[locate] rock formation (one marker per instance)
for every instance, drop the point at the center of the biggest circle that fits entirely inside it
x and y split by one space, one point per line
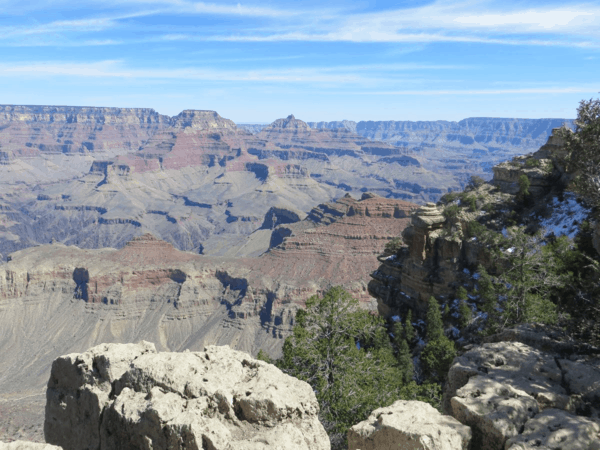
128 396
409 425
511 394
179 300
27 445
194 180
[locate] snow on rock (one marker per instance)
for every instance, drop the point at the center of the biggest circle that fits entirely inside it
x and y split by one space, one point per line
566 216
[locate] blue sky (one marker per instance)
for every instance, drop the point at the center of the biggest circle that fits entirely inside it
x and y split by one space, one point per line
258 61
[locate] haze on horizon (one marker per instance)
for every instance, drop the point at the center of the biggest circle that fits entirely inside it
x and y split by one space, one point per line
257 61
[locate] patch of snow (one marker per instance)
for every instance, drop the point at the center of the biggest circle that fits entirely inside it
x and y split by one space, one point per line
476 276
466 271
473 239
510 250
358 345
391 258
455 332
396 318
472 297
566 216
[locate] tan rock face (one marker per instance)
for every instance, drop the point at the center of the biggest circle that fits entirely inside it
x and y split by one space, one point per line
554 429
513 395
410 425
130 397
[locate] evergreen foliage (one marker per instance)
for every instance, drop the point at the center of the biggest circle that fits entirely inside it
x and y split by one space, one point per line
466 315
439 352
345 354
392 246
409 329
583 150
530 273
524 185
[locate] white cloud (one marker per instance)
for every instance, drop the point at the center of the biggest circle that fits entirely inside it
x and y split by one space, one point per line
542 90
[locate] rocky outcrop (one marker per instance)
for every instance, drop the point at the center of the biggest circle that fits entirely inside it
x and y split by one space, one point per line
128 396
510 393
424 268
409 425
27 445
554 429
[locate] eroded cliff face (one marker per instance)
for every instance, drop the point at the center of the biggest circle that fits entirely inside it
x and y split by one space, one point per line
57 299
28 130
194 180
438 250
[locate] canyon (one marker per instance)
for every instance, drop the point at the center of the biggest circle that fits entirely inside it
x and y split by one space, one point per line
118 225
57 299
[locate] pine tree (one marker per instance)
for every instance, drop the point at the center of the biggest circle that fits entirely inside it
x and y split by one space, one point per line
349 382
439 352
435 327
465 314
409 329
405 363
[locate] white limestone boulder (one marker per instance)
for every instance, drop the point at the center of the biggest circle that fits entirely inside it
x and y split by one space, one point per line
409 425
27 445
554 429
494 411
217 399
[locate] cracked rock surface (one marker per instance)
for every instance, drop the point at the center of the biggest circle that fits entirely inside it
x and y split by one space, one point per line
128 396
513 395
409 425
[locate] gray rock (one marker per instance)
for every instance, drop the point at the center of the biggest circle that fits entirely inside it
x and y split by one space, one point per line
554 429
27 445
130 397
494 411
521 366
409 425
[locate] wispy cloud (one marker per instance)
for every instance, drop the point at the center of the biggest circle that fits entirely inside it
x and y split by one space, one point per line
541 90
114 69
467 22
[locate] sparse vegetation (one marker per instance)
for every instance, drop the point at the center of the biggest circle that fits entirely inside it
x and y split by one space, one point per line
392 246
474 183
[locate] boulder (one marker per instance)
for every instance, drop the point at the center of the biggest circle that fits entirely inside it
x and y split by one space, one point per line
528 369
27 445
554 429
128 396
409 425
494 411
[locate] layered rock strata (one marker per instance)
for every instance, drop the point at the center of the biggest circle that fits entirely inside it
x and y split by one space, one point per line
409 425
129 396
57 299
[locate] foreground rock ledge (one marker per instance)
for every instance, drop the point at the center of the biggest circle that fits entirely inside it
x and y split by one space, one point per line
408 425
128 396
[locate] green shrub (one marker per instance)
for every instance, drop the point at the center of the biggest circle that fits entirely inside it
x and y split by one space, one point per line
392 246
451 212
466 315
471 201
532 162
474 182
524 185
450 197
